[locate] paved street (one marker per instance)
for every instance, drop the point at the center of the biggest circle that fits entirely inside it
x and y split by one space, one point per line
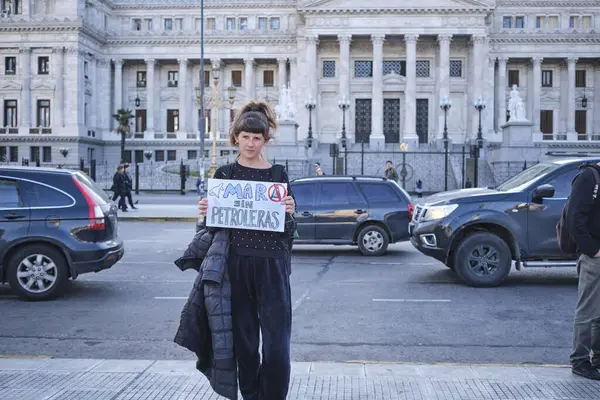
400 307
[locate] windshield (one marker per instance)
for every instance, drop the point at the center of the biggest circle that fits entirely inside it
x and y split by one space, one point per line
525 178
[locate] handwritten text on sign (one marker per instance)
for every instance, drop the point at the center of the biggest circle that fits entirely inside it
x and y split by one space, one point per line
246 205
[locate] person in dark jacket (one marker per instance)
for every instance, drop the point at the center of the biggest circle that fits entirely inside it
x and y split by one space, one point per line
259 269
128 185
119 188
583 225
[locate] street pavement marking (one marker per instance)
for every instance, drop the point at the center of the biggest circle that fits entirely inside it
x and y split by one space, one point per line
413 300
170 298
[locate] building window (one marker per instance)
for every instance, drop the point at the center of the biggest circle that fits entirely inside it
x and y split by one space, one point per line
363 69
394 66
362 120
173 77
206 78
580 22
513 77
43 65
586 22
148 22
328 69
13 153
519 22
546 78
232 115
236 78
547 121
507 22
137 24
230 24
11 7
211 24
274 23
262 23
139 156
43 113
581 122
192 154
455 68
172 120
140 121
141 79
3 155
198 24
85 114
178 24
10 65
546 22
168 24
422 68
47 154
171 155
268 78
159 155
207 119
127 157
85 69
243 24
10 113
34 154
580 78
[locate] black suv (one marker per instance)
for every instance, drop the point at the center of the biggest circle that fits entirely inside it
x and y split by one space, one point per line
370 212
479 232
55 224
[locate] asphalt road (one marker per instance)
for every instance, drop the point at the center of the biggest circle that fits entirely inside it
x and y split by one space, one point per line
399 307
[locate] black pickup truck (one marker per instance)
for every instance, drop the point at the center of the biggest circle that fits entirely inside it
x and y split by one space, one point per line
479 232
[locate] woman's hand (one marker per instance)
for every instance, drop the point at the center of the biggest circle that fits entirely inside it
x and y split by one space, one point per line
203 206
290 204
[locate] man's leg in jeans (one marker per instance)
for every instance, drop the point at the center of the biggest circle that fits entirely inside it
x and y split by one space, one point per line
587 311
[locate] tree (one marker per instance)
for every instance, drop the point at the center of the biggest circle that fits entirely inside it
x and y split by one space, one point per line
123 116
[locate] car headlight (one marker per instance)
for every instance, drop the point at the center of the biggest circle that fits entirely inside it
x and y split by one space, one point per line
433 213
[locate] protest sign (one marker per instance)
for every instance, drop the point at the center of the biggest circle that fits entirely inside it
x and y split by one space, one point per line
246 205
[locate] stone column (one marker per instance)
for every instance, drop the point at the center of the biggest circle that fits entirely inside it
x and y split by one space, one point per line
571 63
311 66
150 95
249 78
24 63
477 90
490 97
444 77
183 90
501 92
72 84
293 85
281 73
103 97
537 88
344 40
58 119
410 93
92 115
118 84
377 138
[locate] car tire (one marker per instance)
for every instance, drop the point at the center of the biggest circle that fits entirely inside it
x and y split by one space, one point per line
373 241
47 266
483 259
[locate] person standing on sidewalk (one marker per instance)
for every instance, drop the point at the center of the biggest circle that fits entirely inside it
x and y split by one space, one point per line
583 225
259 268
390 172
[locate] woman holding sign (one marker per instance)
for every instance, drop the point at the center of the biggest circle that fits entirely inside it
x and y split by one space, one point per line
259 262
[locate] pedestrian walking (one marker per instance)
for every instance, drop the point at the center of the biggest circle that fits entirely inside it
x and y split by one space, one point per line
468 184
390 171
119 188
583 226
129 186
419 188
259 268
318 169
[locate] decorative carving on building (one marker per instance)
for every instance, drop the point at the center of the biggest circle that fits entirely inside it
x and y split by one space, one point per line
516 107
10 85
42 84
286 110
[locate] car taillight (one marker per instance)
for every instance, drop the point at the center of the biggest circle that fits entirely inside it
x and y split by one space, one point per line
95 212
411 210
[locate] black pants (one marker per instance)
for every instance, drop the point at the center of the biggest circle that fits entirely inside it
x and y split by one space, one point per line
261 302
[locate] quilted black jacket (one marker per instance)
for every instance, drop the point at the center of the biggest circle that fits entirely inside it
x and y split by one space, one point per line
205 327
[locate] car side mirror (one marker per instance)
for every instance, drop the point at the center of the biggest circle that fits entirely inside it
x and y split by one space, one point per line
543 191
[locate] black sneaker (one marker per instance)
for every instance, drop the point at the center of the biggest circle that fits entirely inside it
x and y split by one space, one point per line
587 371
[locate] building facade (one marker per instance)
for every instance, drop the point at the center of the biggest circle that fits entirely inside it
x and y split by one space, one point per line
68 65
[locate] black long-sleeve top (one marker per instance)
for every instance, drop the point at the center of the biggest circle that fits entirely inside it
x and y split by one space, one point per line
583 212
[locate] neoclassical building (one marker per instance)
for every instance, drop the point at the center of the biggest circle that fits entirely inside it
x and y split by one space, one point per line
68 65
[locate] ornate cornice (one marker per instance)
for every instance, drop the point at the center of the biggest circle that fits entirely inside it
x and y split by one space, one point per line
157 41
36 26
545 38
195 4
395 10
554 4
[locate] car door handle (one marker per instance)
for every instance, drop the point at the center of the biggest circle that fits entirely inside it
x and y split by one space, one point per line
360 212
13 216
306 214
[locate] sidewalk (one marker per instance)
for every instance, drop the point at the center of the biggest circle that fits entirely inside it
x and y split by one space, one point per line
82 379
156 207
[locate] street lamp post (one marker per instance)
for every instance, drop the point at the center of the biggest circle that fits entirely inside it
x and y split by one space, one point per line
479 105
344 105
445 104
310 104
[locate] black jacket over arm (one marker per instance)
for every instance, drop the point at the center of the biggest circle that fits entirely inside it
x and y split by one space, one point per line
583 213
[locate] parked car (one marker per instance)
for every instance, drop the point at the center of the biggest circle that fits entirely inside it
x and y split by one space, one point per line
370 212
55 224
479 232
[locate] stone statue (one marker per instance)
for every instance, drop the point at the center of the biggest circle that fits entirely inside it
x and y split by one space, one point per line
285 109
516 106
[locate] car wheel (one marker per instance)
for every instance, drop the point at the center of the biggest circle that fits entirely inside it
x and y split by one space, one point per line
372 241
38 272
483 260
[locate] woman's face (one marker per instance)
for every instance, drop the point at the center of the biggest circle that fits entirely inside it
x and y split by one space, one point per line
251 144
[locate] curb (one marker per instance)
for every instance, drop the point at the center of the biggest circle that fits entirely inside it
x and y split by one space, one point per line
158 219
